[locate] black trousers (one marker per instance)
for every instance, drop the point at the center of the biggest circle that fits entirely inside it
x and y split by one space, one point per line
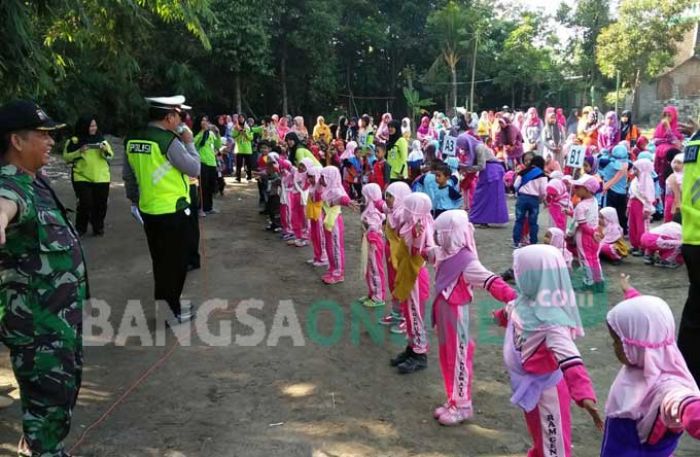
248 160
207 179
273 210
689 332
619 202
92 205
193 260
169 238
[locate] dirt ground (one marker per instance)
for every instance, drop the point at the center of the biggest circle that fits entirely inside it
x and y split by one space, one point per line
337 399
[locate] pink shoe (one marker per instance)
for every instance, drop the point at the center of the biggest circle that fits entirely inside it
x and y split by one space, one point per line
442 409
333 279
454 415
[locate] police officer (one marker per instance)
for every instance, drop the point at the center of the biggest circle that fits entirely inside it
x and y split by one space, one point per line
689 331
159 160
43 283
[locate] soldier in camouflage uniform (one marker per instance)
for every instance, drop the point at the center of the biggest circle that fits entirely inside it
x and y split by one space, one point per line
43 283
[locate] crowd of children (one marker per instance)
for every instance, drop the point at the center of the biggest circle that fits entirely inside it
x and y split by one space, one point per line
419 215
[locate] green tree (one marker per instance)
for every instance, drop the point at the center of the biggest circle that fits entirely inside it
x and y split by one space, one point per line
449 27
642 42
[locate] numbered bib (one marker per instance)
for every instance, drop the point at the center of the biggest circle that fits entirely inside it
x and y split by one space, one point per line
449 146
576 156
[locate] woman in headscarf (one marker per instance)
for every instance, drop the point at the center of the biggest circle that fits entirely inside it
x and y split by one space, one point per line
509 141
532 131
615 183
628 130
545 366
296 150
668 140
89 155
489 202
553 138
654 397
397 153
483 126
423 132
458 271
300 129
583 122
609 132
383 129
561 119
282 127
590 132
406 128
321 131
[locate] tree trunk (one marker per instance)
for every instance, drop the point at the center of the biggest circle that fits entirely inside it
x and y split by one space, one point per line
283 81
453 70
512 96
237 81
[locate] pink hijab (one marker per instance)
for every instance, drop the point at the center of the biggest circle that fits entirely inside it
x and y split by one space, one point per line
349 151
558 240
453 232
424 127
561 119
562 196
399 190
662 132
282 128
645 182
613 231
383 129
315 172
533 118
646 327
333 190
416 209
372 214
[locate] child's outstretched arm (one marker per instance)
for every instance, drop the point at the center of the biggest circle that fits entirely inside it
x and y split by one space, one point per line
627 290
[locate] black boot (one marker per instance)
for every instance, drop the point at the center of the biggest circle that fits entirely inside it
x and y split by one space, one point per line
401 357
415 362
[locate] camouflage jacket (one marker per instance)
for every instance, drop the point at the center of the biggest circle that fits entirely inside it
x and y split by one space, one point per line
43 280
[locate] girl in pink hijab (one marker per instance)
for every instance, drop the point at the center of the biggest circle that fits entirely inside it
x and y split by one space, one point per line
334 198
667 138
609 132
557 238
282 128
664 241
314 214
561 119
458 269
394 195
642 195
545 367
423 132
612 246
383 129
558 201
412 283
373 246
585 230
654 398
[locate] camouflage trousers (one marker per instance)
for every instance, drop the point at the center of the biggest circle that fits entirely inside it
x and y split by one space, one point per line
49 377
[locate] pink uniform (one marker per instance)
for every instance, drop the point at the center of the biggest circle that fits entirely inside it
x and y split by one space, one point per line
545 367
612 234
586 224
665 240
285 188
398 190
416 230
372 219
641 202
458 267
558 203
316 220
334 197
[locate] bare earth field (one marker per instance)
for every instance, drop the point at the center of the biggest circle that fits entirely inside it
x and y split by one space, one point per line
333 395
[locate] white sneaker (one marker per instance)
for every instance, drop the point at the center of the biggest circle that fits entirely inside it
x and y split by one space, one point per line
301 243
311 261
322 263
213 211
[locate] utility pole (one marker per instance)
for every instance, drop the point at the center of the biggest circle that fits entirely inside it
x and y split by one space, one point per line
617 90
471 94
